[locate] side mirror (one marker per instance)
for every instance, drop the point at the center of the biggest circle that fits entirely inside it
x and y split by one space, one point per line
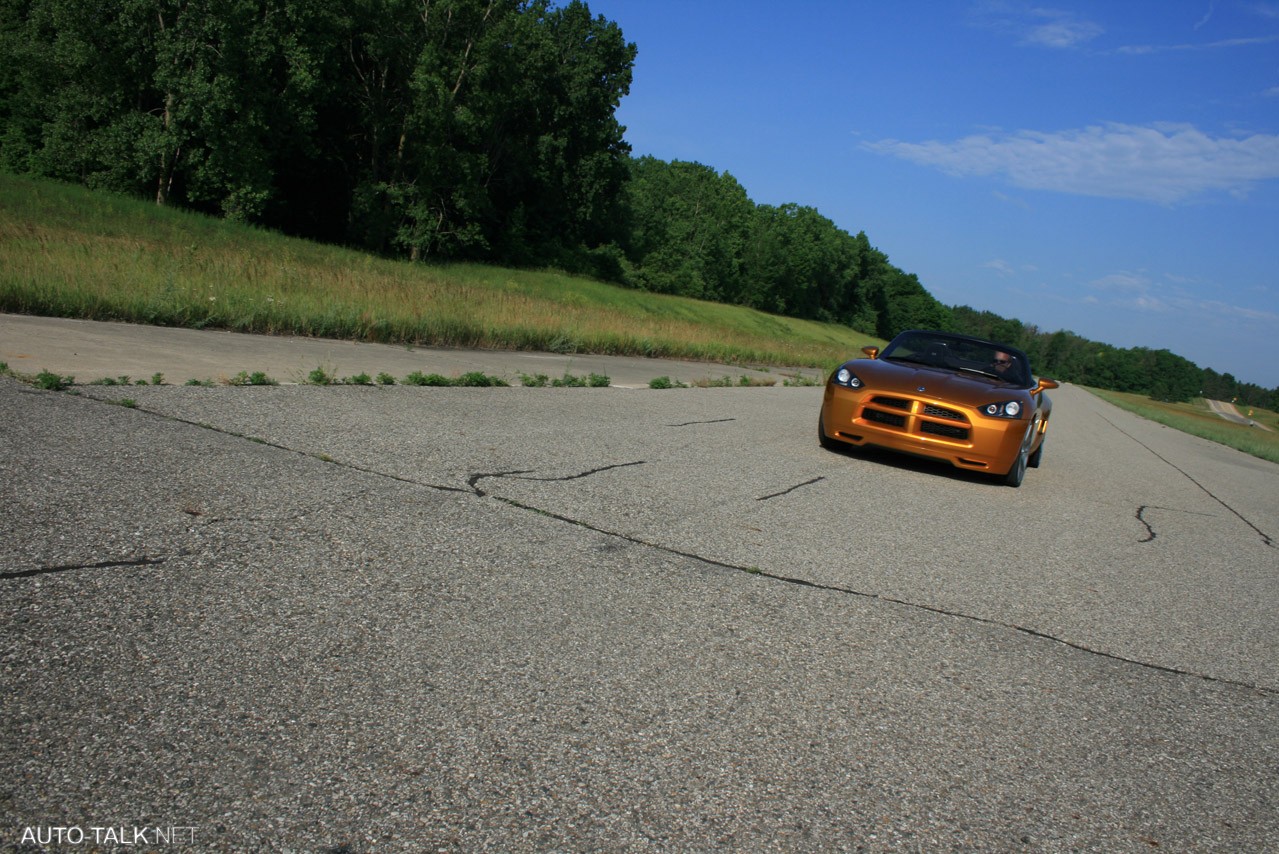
1045 384
873 352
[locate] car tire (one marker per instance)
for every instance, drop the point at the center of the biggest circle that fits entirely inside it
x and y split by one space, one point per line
1035 458
1017 473
822 439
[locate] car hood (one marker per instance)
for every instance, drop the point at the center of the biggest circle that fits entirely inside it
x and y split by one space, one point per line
912 379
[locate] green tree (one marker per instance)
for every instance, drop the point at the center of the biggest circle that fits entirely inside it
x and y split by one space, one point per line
562 159
798 262
689 225
188 101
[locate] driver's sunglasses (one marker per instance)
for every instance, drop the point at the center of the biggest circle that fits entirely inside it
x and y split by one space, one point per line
1003 361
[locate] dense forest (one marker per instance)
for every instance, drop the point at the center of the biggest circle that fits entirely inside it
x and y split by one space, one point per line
447 130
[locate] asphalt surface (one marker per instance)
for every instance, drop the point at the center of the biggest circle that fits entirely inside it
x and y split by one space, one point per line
330 619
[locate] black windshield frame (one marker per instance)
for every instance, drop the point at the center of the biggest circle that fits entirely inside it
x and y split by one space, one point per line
962 354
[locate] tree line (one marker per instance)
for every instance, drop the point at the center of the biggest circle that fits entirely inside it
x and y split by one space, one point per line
448 130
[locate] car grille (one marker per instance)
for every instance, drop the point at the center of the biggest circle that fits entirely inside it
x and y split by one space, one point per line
889 418
938 412
916 416
947 430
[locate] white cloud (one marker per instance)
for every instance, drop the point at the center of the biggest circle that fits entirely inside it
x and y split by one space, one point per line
1137 290
1142 49
1207 16
1124 282
1005 270
1038 26
1265 10
1162 163
1062 33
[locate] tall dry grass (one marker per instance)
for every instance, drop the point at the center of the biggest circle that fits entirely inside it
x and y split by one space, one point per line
65 251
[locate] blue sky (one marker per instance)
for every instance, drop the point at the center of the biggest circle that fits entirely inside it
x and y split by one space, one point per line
1110 167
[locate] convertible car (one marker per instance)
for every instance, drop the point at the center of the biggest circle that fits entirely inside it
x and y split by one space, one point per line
972 403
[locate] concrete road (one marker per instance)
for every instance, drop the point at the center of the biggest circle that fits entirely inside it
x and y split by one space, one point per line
402 619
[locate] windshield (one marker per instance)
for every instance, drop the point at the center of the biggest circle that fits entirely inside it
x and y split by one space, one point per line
960 354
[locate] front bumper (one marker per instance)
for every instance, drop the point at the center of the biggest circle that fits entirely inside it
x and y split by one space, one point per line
922 426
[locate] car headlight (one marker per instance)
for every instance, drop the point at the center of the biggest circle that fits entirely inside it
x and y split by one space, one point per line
1005 409
846 377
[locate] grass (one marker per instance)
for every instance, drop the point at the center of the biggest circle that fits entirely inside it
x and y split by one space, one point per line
1197 419
69 252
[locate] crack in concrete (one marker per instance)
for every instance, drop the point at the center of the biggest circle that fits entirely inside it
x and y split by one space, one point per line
712 421
1141 517
792 489
102 564
1150 529
1265 538
518 475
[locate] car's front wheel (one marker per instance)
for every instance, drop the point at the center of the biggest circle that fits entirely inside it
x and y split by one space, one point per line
822 439
1017 473
1037 457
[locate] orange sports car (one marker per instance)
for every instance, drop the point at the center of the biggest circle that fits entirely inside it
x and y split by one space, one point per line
972 403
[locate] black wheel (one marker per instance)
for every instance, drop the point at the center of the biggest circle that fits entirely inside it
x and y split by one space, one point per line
1038 456
1035 458
822 439
1017 473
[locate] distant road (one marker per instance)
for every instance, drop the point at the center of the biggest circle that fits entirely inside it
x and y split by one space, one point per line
1230 412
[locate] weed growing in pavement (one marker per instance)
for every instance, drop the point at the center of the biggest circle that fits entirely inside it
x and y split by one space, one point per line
4 369
665 382
385 379
194 381
53 382
244 378
592 380
535 381
419 378
481 380
358 379
319 376
123 380
474 379
743 381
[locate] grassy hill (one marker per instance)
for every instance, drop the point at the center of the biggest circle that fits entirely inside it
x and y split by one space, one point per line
66 251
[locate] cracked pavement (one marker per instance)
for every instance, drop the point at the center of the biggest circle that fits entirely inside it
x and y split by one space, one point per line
526 619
